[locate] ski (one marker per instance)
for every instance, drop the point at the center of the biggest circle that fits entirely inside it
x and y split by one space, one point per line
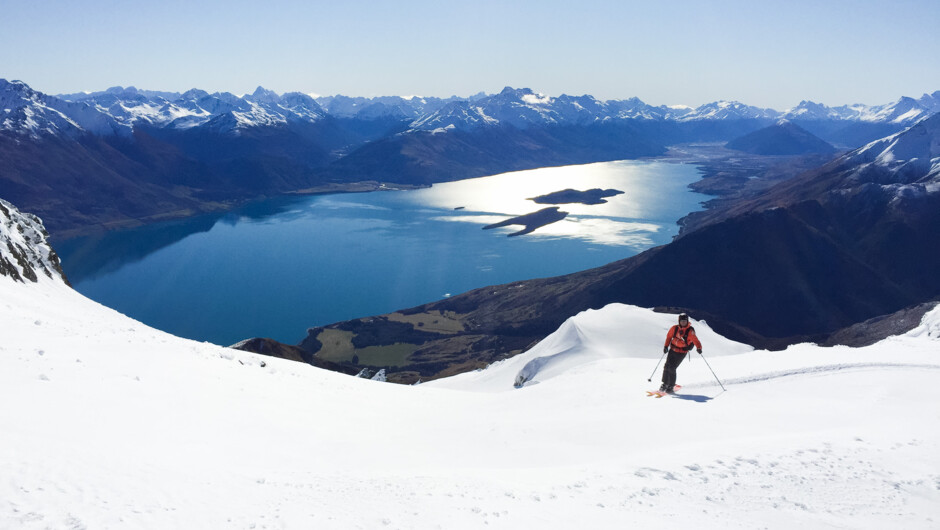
659 393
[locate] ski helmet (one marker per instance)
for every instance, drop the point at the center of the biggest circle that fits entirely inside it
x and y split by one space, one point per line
683 316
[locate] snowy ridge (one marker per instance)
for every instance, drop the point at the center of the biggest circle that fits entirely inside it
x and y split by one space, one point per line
905 111
228 112
25 253
808 110
117 110
461 115
520 108
908 161
27 112
590 336
523 108
404 107
634 108
724 110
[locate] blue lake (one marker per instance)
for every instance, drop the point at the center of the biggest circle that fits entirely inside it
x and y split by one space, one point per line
275 268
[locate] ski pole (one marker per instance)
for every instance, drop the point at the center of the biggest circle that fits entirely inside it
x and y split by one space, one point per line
657 367
713 372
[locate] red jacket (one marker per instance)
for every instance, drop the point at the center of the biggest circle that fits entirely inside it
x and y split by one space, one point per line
681 339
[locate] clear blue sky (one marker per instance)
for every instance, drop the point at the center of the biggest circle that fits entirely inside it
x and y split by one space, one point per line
766 53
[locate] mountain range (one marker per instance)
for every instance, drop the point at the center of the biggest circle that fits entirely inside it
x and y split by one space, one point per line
520 108
123 156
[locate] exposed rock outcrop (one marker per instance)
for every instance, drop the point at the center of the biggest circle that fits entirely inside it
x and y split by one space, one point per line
25 253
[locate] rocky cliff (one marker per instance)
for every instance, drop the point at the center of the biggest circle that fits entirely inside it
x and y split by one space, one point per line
25 253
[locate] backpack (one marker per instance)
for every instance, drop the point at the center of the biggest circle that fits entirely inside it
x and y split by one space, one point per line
684 336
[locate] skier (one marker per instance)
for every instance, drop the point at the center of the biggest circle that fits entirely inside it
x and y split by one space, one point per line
679 341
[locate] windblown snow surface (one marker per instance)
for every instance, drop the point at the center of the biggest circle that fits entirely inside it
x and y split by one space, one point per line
106 423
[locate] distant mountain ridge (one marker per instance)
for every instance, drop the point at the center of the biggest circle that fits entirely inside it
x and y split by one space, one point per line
197 107
904 110
124 155
518 107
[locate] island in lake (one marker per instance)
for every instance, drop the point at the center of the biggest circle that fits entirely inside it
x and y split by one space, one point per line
570 196
531 221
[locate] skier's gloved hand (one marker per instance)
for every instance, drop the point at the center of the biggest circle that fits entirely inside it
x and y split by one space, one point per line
698 350
665 349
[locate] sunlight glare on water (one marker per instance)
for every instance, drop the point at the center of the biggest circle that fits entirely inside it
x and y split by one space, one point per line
622 220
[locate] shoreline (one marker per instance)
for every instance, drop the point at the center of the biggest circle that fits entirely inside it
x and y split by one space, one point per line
727 176
222 207
731 177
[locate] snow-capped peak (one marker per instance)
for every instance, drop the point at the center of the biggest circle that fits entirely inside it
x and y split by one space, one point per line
931 102
809 110
28 112
461 115
225 112
723 110
537 99
922 141
520 108
264 95
904 110
904 164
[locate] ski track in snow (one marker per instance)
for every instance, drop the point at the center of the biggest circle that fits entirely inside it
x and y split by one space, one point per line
816 370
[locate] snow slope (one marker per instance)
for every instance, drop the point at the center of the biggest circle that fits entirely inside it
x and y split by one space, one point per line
907 162
107 423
